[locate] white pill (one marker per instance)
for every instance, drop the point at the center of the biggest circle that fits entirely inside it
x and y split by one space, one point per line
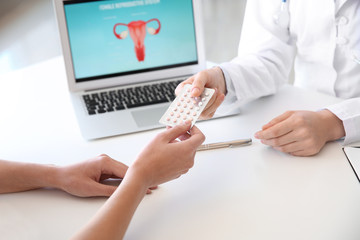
186 108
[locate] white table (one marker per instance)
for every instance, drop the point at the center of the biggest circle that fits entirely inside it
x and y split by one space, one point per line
251 192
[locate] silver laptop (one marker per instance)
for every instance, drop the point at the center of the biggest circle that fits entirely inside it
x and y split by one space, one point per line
124 59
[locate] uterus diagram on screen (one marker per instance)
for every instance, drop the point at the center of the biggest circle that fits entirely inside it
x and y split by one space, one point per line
137 31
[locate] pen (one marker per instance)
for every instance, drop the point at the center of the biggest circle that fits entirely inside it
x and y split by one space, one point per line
229 144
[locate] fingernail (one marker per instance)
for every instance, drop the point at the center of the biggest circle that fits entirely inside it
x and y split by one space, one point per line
187 122
257 135
195 91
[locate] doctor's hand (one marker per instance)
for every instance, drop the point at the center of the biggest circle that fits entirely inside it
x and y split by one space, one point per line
210 78
166 158
301 133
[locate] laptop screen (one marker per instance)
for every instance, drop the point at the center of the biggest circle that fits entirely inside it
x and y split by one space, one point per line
115 38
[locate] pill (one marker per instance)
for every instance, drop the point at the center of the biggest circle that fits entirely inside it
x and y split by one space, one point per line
185 107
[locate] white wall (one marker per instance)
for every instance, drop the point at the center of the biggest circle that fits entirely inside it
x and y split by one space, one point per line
29 34
222 27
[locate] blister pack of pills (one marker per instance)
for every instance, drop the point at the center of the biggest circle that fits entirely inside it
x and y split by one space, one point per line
185 107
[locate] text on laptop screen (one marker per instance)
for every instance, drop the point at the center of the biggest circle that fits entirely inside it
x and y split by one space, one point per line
114 38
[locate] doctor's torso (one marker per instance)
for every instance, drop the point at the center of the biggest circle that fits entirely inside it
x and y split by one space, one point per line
326 35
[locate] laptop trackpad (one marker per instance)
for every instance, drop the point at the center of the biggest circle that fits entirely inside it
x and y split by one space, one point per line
149 117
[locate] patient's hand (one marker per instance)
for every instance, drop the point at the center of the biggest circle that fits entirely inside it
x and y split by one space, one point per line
83 179
166 158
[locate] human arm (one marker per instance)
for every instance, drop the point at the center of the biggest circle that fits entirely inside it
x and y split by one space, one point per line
81 179
211 78
304 133
348 111
162 160
263 64
301 133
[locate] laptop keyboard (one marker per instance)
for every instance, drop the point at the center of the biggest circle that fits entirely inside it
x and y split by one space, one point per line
126 98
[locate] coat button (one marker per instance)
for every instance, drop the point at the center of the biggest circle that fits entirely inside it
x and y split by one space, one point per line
342 21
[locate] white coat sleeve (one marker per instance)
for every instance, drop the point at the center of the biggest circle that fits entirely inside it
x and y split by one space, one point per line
349 112
264 60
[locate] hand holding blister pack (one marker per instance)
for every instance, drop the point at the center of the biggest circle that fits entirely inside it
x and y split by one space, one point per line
186 108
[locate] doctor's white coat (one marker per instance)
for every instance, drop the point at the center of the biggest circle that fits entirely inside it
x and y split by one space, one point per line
321 41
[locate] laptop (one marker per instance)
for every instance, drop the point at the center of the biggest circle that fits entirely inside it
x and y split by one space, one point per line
124 58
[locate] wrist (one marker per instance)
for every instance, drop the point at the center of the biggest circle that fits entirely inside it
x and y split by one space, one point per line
52 176
220 77
138 178
333 126
135 180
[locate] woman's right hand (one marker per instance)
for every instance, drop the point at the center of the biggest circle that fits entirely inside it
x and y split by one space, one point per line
166 158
